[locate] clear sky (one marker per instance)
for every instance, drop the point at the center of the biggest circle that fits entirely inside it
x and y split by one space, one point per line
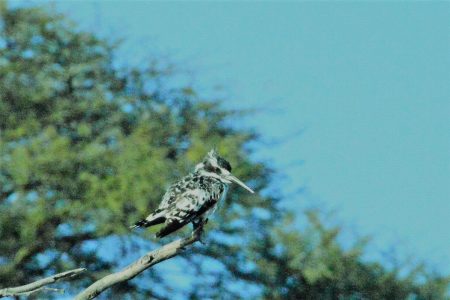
368 82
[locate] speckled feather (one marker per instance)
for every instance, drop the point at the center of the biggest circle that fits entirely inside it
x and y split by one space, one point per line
189 200
194 197
192 194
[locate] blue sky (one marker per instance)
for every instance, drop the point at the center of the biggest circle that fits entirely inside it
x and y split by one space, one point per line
368 83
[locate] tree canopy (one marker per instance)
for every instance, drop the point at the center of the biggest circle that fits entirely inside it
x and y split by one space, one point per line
87 149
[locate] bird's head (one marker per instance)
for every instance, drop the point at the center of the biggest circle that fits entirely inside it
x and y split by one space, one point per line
215 166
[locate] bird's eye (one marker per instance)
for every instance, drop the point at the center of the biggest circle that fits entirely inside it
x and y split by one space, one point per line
217 170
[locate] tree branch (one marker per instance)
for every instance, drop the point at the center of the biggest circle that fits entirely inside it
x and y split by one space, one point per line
40 284
151 258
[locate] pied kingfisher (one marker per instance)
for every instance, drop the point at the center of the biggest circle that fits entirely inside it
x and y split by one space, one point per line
194 197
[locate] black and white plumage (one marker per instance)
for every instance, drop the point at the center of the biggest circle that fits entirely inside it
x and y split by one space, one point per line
195 197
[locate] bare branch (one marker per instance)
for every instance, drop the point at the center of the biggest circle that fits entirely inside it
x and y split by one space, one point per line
151 258
40 284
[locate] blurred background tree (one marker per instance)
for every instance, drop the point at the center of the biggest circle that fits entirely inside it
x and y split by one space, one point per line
87 148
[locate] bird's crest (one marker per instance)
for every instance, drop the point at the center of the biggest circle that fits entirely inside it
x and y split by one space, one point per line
212 153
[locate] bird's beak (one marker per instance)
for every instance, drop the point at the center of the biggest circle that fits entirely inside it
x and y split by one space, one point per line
234 179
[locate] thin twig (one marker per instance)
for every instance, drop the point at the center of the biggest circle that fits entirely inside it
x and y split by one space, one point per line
151 258
40 284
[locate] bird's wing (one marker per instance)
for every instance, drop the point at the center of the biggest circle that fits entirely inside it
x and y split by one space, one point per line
174 191
168 198
189 203
187 206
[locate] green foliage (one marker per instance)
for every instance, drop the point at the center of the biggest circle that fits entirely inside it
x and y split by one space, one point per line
87 149
313 265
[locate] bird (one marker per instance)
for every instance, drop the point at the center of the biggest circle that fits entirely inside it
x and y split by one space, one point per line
193 198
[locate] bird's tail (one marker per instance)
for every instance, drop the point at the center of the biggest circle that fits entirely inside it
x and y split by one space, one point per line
153 219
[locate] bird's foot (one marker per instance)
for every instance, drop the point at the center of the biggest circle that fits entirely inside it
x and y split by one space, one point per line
198 232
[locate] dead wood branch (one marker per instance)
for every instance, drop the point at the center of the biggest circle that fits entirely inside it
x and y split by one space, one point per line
151 258
39 284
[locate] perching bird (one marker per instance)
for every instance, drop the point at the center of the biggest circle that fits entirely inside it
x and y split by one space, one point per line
195 197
